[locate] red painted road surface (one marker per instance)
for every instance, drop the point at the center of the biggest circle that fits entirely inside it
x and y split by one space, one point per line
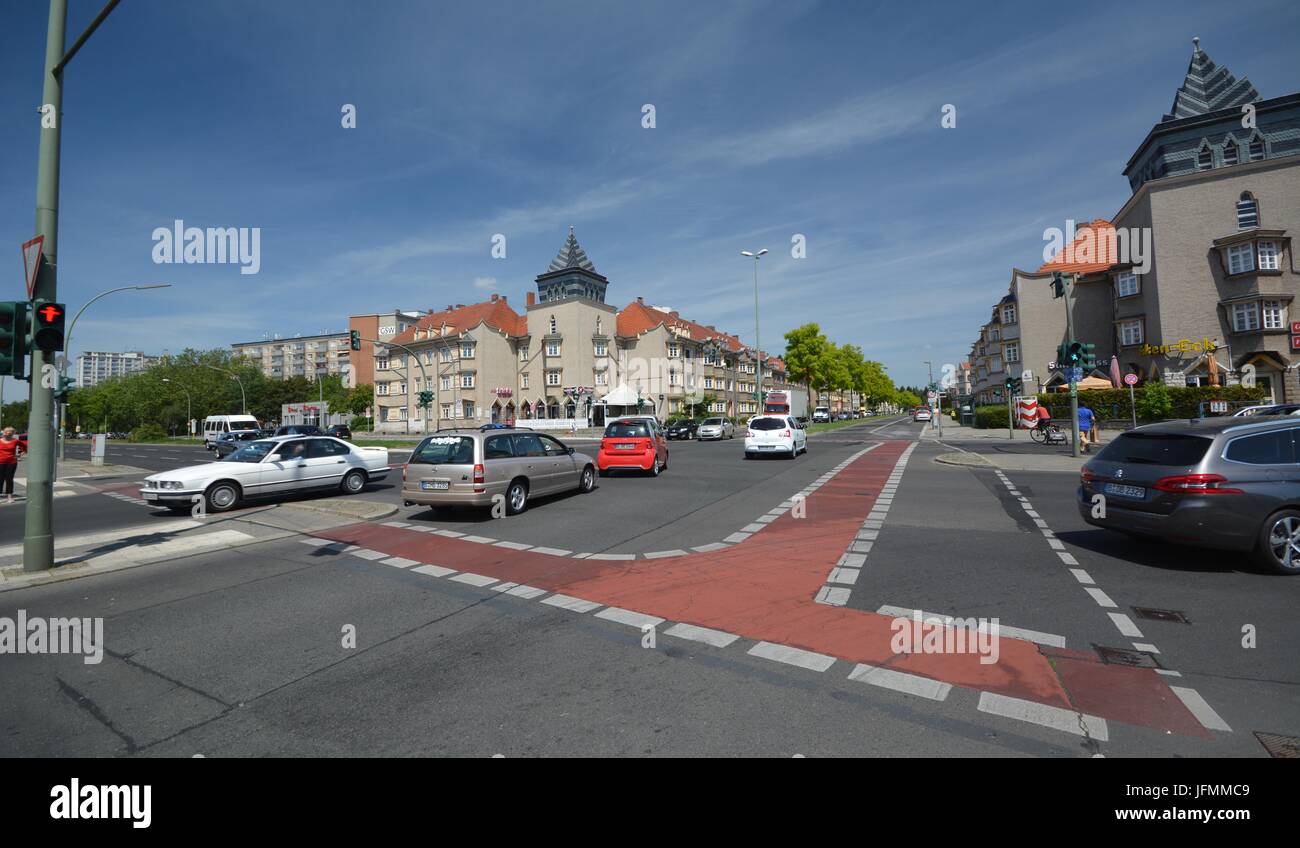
763 589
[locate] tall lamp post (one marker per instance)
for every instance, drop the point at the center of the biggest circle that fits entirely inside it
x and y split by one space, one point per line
243 397
189 406
758 345
67 345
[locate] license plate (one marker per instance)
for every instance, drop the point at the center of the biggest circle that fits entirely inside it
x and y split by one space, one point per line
767 447
624 447
1124 491
434 485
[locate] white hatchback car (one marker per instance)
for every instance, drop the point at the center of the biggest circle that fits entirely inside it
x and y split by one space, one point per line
270 467
779 434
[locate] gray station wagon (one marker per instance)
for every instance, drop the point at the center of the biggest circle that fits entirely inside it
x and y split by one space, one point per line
478 467
1230 483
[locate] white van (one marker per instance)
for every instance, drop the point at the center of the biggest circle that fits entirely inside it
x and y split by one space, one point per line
821 415
215 425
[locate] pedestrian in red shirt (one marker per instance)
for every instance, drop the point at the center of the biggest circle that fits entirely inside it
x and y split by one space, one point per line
10 446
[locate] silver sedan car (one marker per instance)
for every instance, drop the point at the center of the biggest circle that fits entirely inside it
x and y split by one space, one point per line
715 428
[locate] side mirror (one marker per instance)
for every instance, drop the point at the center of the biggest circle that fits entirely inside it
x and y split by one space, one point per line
569 450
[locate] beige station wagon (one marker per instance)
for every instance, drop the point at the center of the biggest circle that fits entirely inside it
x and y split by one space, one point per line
480 467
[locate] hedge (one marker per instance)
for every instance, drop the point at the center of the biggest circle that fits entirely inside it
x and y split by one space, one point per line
1114 403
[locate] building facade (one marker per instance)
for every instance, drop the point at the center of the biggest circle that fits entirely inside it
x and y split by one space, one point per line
96 366
312 357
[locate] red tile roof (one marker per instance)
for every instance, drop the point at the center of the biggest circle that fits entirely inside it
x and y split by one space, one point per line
1092 250
637 318
458 319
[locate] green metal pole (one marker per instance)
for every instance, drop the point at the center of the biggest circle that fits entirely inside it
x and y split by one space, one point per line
1074 387
38 533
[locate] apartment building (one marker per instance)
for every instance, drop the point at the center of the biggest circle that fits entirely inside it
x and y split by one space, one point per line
312 357
96 366
569 357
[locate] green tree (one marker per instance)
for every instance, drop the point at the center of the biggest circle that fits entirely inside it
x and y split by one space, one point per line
1154 402
806 351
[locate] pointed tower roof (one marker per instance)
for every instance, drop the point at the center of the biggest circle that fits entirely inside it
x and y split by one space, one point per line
572 256
1209 87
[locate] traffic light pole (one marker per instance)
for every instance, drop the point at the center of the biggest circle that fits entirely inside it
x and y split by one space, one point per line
424 375
1074 386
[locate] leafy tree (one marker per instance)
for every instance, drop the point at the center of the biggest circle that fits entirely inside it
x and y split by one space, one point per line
1154 402
806 352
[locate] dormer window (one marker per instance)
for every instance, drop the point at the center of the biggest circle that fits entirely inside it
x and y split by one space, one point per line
1256 148
1247 212
1230 152
1009 314
1205 159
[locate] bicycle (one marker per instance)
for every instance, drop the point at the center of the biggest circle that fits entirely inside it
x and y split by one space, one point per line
1049 435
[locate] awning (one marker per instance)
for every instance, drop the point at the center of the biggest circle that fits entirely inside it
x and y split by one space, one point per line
621 396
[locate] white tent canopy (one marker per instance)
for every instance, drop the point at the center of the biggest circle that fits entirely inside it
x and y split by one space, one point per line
621 396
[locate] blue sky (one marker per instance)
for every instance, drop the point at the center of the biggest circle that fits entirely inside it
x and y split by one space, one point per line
817 118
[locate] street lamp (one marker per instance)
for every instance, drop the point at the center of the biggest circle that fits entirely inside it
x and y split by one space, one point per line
758 345
67 344
243 397
189 407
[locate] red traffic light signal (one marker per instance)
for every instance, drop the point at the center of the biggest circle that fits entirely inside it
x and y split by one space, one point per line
47 326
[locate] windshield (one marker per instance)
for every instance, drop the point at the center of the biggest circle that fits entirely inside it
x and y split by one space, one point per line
444 450
251 452
767 424
626 430
712 421
1156 449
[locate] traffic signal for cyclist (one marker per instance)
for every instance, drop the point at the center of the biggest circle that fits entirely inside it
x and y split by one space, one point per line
13 339
1014 385
66 385
47 326
355 339
1088 353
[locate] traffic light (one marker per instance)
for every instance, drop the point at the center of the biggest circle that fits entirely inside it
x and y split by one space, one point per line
355 339
426 398
66 385
1074 355
13 339
1014 385
1088 354
1058 284
47 326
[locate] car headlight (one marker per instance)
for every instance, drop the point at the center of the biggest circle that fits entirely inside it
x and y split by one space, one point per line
168 484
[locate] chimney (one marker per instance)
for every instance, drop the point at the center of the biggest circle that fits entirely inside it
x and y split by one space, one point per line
531 299
641 300
503 298
494 298
674 314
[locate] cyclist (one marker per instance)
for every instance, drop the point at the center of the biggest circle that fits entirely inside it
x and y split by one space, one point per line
1044 418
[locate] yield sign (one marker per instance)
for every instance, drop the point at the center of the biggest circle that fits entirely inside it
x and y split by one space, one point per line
32 252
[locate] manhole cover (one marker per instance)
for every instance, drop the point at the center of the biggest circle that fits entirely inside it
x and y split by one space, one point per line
1279 746
1124 656
1161 615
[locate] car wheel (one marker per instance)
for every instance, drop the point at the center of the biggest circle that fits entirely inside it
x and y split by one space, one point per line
654 467
221 496
516 497
587 481
1279 542
748 455
353 482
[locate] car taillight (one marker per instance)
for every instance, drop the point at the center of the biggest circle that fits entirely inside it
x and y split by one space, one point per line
1198 484
404 467
749 434
1087 476
478 478
785 433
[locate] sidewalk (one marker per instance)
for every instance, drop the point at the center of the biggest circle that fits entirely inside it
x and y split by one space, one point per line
979 449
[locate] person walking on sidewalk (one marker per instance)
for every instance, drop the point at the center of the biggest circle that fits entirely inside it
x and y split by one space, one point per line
10 446
1086 428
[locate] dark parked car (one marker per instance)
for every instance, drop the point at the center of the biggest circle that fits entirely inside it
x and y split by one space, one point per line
1231 484
228 443
299 430
340 431
683 429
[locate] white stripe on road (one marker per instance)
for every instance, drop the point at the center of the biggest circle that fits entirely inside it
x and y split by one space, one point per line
899 681
1099 596
1056 718
792 656
631 619
1125 625
569 603
434 570
400 562
1204 713
1003 630
473 579
716 638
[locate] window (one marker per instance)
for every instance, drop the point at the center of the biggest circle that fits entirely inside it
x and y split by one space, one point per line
672 378
523 381
445 354
1009 314
993 335
446 382
708 382
1011 352
1130 332
1275 448
552 378
467 351
523 353
1274 315
401 388
554 326
446 411
673 351
552 348
381 363
467 409
1126 284
1256 148
467 381
601 349
1205 159
1247 212
1241 258
1268 259
381 388
602 378
1245 317
1229 152
498 447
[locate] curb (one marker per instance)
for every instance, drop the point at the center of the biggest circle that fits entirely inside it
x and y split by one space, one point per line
363 512
968 460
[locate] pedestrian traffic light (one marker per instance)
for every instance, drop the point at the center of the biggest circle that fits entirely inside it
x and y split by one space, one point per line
13 339
1058 284
47 326
1014 385
66 385
426 398
1074 355
1088 354
355 339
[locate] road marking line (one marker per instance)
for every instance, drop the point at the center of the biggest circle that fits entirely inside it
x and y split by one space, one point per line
523 591
630 618
450 534
868 535
1081 575
736 538
1100 597
844 576
395 524
1125 624
1147 647
873 524
400 562
899 681
1056 544
833 596
766 519
619 557
752 528
1055 718
1204 713
852 560
712 546
434 570
676 552
1066 558
1003 630
314 541
792 656
552 551
514 546
366 553
481 540
473 579
860 547
1168 672
570 603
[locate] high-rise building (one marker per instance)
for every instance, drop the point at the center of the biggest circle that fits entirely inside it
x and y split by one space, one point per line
96 366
